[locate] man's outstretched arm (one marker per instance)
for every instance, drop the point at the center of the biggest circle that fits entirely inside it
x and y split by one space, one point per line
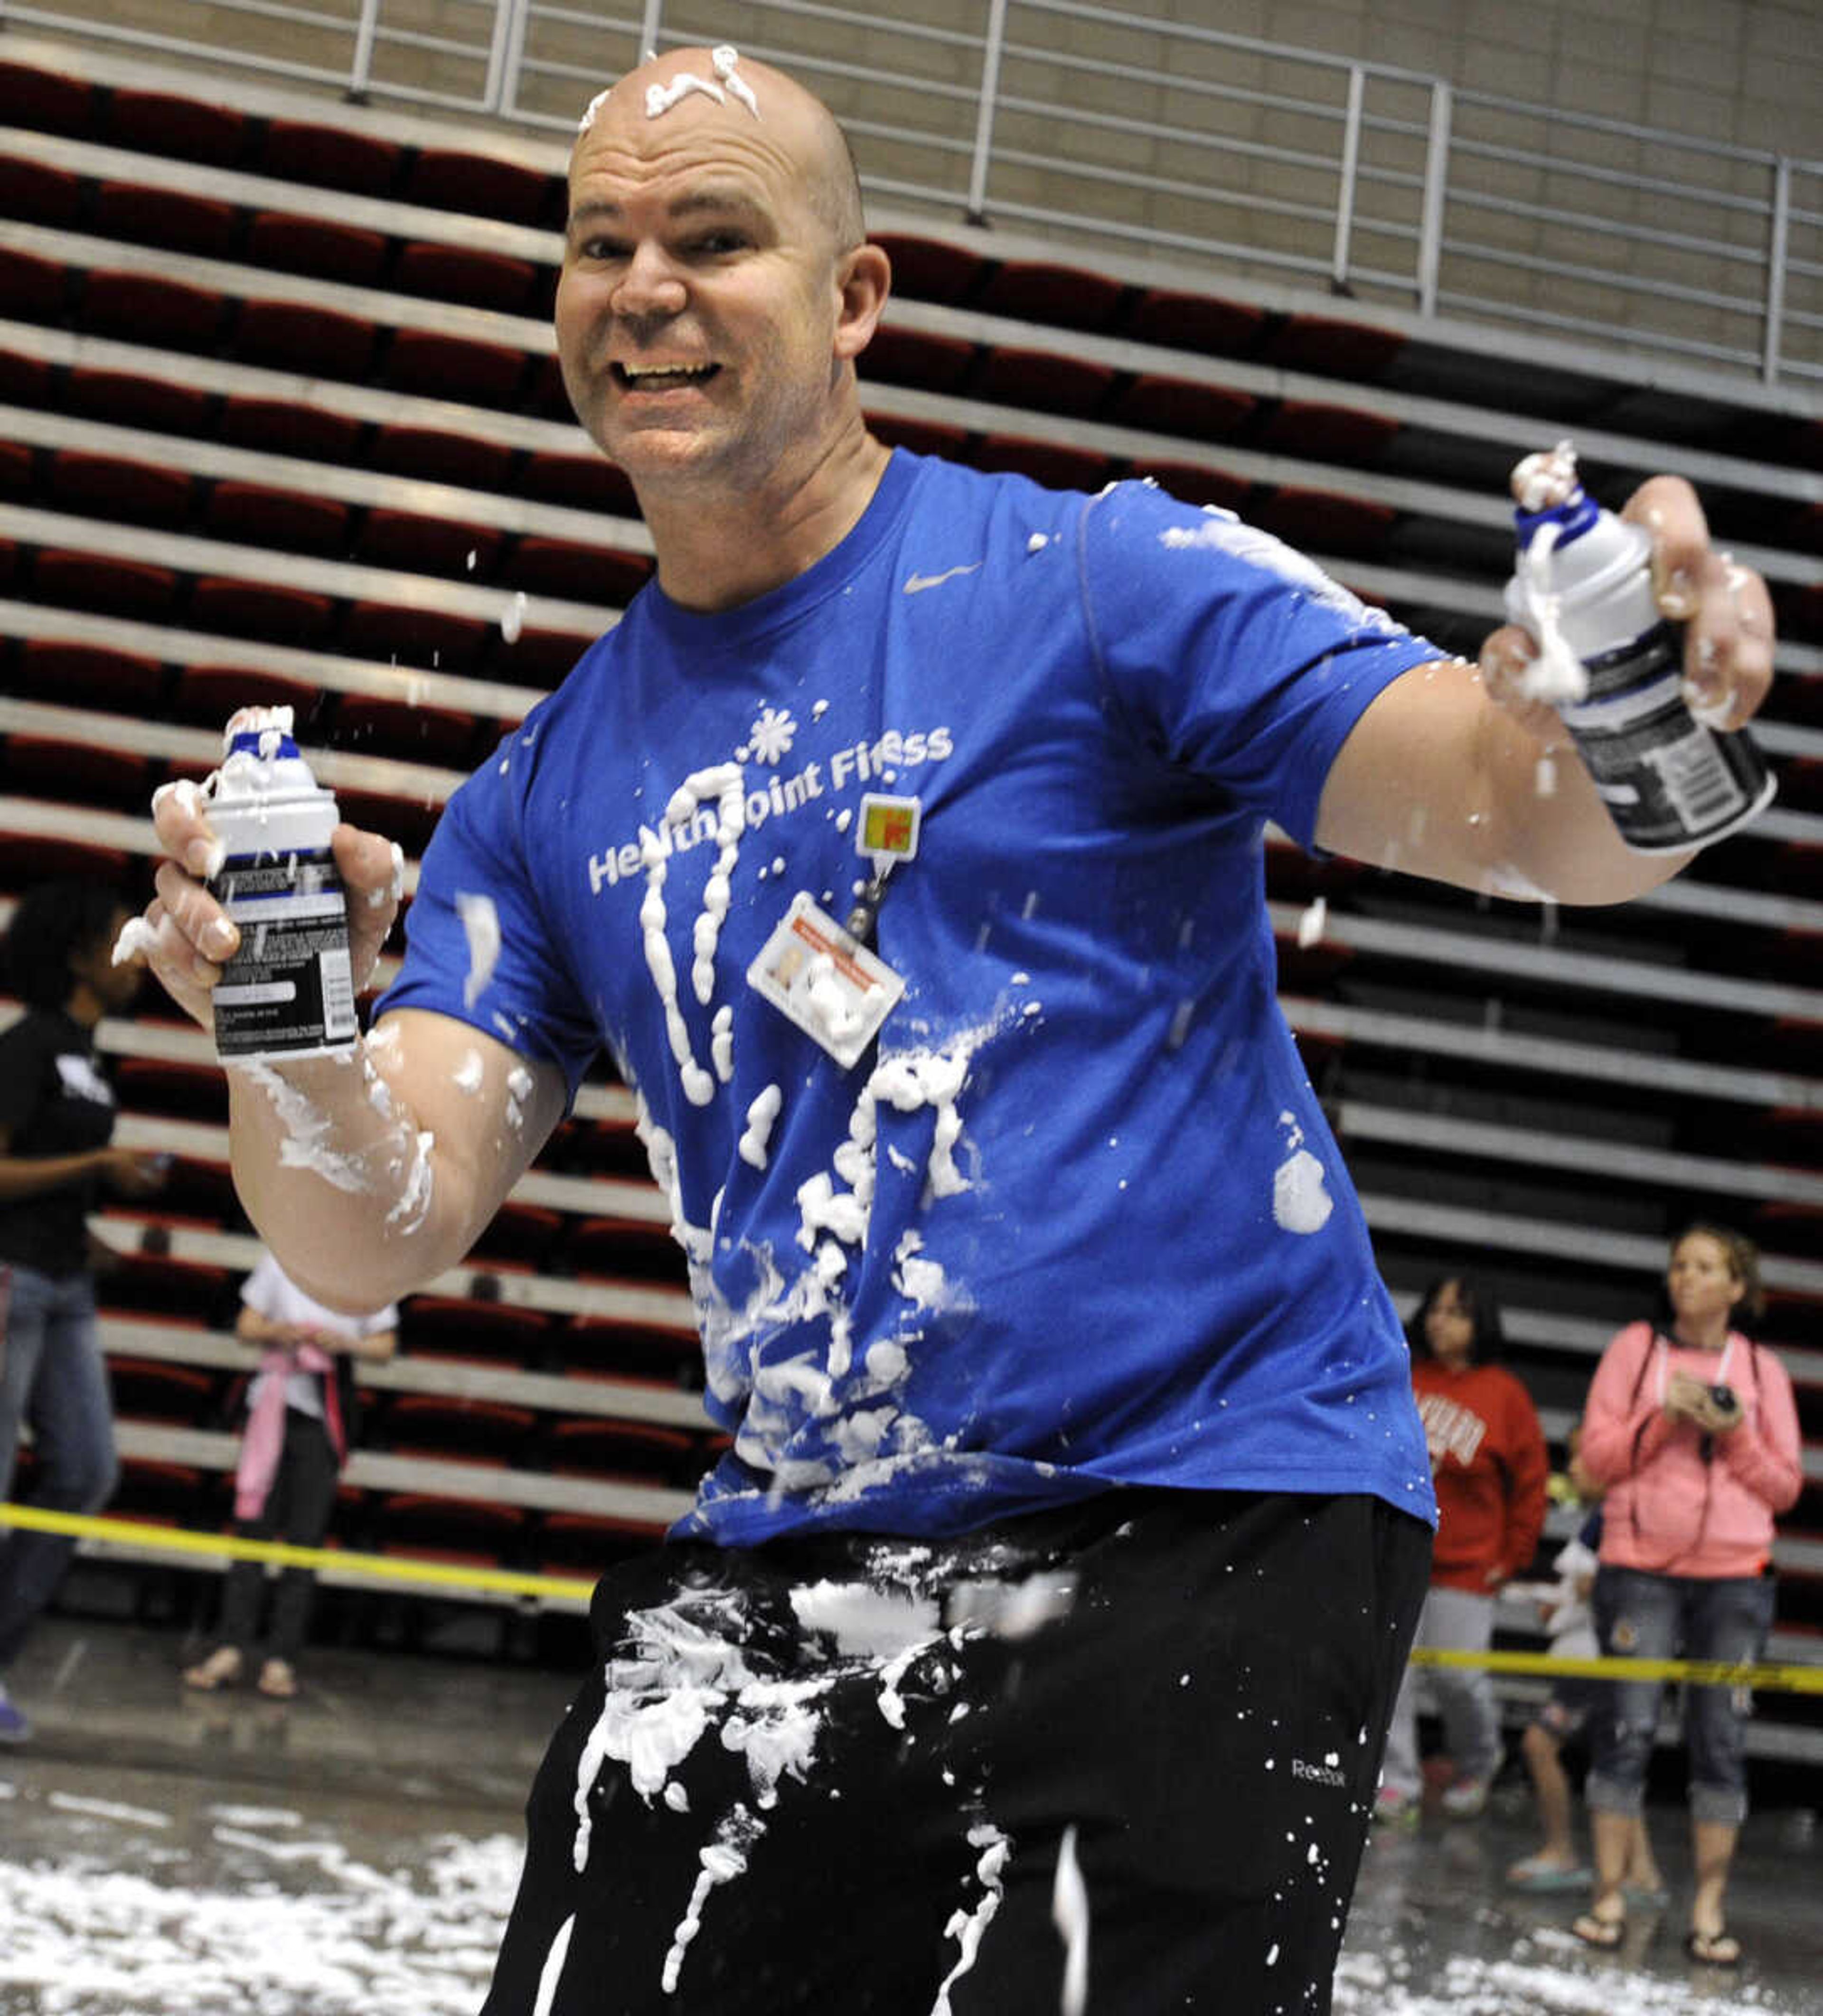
1450 774
368 1172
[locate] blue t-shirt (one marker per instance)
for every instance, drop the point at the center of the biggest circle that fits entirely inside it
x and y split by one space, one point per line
1076 1219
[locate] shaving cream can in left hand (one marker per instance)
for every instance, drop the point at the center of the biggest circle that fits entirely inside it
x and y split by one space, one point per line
288 991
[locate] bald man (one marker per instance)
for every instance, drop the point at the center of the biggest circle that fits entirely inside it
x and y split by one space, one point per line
1032 1645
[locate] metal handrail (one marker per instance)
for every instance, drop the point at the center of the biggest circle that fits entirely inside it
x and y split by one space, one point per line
1460 232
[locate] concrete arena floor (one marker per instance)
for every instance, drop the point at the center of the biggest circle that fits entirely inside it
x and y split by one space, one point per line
351 1854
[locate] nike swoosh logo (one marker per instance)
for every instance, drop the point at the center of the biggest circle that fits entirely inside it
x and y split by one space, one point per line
916 583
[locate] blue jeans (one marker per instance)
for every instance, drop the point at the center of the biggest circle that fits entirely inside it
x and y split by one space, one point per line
53 1375
1643 1616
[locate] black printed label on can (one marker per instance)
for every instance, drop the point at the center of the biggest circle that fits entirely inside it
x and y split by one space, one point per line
1668 781
290 987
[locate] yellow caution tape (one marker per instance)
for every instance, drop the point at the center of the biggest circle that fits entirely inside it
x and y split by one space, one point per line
565 1589
1697 1672
230 1546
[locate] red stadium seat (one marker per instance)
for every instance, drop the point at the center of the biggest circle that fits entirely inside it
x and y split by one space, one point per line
448 367
26 859
34 193
87 675
141 307
1198 322
928 269
462 273
145 215
209 694
455 1430
280 428
1041 380
1334 347
34 290
434 457
920 437
462 1530
317 246
196 1093
291 336
148 1389
585 1545
18 471
407 734
410 821
1051 463
105 486
415 544
104 585
496 1333
279 614
1066 296
520 1235
622 1248
329 156
127 400
254 514
427 638
1327 433
24 381
48 101
1321 522
81 773
484 186
163 1494
912 357
601 575
583 482
633 1449
1183 406
598 1347
188 129
1192 484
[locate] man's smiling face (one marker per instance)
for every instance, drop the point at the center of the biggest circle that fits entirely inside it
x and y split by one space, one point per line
697 310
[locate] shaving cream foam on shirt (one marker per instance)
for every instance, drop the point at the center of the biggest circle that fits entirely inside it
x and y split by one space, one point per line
288 991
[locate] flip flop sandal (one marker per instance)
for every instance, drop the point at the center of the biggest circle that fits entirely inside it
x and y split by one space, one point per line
277 1680
1720 1949
1543 1877
220 1669
1603 1934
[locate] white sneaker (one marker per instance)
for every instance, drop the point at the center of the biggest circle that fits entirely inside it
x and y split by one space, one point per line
1395 1809
1466 1799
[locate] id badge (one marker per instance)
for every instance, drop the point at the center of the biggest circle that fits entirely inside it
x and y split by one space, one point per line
836 990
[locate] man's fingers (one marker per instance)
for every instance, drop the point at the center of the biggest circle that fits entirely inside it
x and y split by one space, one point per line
179 819
1728 656
371 865
195 913
1671 511
1506 658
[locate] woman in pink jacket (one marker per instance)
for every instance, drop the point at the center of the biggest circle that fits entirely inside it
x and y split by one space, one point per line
1692 1428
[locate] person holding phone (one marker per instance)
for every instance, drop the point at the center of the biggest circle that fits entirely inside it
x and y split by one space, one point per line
1693 1429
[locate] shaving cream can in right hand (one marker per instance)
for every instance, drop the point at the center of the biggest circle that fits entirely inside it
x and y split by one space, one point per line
1612 665
288 991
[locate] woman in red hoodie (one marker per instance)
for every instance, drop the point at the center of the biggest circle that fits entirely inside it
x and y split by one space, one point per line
1489 1466
1694 1430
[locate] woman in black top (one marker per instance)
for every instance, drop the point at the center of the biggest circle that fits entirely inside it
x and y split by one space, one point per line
57 1121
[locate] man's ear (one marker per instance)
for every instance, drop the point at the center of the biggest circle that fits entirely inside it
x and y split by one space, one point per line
863 279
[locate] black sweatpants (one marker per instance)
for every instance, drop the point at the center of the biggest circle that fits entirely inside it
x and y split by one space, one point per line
840 1775
298 1509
